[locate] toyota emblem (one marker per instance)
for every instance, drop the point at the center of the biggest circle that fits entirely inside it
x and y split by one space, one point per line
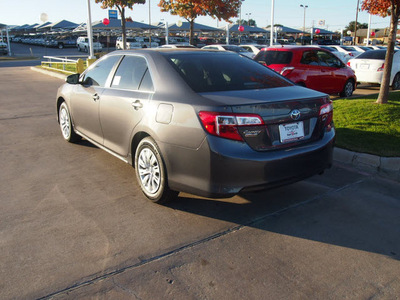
295 114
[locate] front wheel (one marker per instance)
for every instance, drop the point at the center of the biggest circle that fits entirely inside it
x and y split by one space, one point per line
151 173
347 89
66 126
396 82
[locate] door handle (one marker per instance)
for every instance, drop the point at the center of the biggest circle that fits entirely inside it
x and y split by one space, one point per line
96 97
137 104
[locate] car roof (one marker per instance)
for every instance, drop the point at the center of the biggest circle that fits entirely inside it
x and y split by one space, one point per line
290 48
149 51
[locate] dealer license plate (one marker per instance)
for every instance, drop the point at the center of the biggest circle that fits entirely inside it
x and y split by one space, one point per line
291 132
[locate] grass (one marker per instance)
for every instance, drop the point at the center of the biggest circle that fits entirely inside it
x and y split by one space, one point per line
12 58
364 126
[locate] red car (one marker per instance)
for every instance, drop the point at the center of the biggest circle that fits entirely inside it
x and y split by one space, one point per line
312 67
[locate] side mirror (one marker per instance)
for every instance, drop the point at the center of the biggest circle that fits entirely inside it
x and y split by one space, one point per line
73 79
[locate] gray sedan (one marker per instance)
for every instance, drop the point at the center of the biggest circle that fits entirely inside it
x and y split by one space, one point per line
210 123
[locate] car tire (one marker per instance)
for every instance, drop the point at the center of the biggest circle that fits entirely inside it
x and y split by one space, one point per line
396 82
60 46
348 89
67 129
151 173
85 49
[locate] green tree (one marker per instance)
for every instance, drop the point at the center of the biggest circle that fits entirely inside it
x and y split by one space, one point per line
352 24
190 10
250 22
386 8
120 5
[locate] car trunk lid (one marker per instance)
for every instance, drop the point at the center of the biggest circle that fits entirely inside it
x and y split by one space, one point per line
290 115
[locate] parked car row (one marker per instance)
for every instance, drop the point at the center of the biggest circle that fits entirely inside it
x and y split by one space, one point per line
60 41
3 48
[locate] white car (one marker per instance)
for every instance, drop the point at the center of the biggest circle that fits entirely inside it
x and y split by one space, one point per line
369 67
135 43
253 48
232 48
349 52
360 49
174 46
131 43
3 48
83 44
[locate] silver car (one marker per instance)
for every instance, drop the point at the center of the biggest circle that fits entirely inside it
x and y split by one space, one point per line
210 123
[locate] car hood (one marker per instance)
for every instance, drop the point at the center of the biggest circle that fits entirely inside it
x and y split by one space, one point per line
245 97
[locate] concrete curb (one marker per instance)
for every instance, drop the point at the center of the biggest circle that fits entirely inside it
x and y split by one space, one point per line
386 166
50 73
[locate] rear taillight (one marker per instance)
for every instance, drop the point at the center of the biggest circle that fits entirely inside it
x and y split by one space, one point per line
348 64
286 71
226 125
326 114
381 68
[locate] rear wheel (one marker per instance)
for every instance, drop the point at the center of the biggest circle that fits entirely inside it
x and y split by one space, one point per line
396 82
151 173
66 126
347 89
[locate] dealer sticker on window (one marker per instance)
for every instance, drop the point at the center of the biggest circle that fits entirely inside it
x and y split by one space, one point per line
291 132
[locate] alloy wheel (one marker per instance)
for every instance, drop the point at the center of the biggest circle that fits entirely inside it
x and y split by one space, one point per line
149 171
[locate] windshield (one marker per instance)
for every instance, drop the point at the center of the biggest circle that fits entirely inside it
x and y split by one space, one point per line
234 49
210 72
374 54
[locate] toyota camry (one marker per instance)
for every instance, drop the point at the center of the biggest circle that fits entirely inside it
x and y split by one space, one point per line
210 123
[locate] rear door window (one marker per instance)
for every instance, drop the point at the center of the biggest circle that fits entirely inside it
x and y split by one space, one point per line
309 58
328 60
130 73
278 57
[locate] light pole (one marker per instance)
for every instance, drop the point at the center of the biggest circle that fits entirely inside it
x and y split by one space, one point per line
90 31
271 34
304 20
355 24
248 18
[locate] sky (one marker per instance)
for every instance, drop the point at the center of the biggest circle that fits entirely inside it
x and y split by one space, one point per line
337 14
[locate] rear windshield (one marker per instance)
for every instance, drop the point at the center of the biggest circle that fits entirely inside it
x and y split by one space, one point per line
234 49
373 54
347 48
211 72
331 49
277 57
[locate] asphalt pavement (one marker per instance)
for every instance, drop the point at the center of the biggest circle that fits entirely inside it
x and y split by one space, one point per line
74 224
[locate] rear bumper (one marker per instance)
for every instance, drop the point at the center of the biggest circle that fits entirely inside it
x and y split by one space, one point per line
369 77
223 168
